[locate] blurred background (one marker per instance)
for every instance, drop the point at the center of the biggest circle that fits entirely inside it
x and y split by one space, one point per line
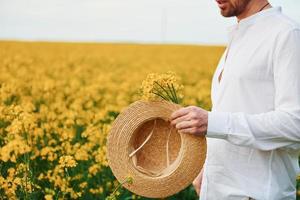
142 21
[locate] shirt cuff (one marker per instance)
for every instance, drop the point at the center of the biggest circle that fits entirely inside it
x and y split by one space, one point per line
218 125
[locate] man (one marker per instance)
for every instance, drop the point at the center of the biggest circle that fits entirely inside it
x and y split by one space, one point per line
253 130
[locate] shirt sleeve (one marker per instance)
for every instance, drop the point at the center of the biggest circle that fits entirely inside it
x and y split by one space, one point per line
279 128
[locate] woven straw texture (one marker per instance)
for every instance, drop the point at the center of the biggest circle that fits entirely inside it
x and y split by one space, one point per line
165 162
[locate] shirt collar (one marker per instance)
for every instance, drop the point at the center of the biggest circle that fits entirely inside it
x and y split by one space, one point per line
244 23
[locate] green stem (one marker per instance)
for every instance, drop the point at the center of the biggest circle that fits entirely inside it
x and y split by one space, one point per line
164 90
67 173
156 93
57 195
26 176
116 189
175 93
68 176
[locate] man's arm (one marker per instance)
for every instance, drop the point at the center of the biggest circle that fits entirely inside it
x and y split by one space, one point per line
275 129
265 131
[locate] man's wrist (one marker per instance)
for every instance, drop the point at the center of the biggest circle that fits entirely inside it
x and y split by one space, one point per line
218 124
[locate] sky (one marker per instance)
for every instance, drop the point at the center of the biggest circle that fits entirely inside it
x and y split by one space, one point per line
138 21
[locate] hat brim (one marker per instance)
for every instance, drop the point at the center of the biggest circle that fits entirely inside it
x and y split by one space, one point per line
183 171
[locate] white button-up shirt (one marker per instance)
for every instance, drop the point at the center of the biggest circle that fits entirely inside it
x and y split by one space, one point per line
253 132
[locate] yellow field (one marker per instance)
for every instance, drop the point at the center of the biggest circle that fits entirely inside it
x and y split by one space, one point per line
57 102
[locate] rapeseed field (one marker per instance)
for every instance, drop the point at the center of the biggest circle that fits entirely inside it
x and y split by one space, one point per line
57 103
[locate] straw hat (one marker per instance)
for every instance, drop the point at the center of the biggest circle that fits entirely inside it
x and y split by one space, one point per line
143 145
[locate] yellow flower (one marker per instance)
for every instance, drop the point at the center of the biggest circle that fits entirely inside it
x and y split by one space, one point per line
83 185
94 169
48 197
162 86
67 161
13 149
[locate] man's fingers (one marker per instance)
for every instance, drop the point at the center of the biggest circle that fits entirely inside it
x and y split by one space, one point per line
180 119
185 125
179 113
189 130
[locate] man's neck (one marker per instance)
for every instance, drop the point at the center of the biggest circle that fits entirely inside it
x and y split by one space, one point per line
253 7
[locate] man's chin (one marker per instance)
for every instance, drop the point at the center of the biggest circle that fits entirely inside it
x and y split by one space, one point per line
226 14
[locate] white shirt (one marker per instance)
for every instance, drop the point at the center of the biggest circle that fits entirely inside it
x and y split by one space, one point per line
253 132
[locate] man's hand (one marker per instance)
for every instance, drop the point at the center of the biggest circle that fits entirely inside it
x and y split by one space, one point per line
198 182
191 119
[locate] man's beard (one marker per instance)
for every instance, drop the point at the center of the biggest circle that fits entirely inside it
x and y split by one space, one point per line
236 9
